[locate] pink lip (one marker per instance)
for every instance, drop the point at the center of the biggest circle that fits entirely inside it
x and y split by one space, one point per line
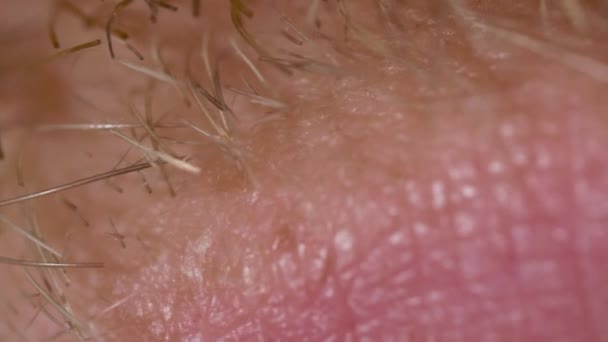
488 230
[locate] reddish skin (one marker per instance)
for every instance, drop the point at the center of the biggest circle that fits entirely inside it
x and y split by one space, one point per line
468 201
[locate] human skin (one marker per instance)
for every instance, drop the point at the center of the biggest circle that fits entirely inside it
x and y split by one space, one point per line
411 171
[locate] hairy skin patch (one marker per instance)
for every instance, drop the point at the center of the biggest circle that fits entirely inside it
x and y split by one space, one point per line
303 170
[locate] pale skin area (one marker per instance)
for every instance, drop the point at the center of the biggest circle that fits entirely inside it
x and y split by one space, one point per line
428 170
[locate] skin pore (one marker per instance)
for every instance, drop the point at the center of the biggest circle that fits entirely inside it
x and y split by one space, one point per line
304 170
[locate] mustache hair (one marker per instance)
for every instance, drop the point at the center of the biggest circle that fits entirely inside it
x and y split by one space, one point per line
143 94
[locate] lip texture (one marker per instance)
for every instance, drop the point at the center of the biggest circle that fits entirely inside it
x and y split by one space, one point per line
504 233
455 196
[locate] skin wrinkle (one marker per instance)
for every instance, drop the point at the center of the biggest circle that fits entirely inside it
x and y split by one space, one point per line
423 179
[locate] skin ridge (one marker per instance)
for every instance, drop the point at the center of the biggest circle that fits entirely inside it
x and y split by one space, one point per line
223 139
